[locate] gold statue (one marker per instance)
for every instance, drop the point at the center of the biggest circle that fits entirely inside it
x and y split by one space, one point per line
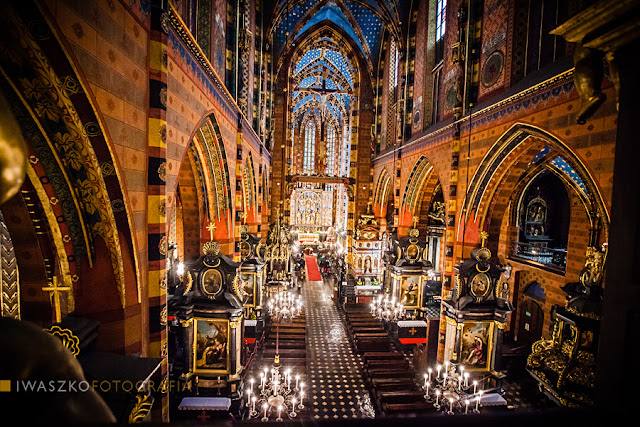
13 155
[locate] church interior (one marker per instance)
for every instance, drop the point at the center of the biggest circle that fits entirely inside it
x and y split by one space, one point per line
319 211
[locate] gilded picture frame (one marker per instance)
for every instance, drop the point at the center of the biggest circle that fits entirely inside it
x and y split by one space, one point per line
476 345
211 346
411 288
248 281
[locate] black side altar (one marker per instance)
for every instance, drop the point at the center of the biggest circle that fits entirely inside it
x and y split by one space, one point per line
206 328
476 313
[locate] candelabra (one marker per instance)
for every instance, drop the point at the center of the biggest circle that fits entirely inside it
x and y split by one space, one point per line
388 309
275 393
450 389
284 306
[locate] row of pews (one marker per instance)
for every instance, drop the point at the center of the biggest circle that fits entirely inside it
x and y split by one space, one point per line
388 373
292 348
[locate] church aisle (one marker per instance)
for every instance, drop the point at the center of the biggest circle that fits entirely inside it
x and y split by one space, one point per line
334 369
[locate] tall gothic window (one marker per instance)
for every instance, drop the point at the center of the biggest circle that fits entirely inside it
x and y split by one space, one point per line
309 147
331 150
441 20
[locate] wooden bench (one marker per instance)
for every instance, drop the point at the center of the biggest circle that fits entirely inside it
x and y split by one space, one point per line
285 352
406 409
364 344
387 364
389 373
298 344
402 396
382 355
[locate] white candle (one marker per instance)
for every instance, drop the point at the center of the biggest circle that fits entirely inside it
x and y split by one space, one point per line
297 378
425 380
475 386
428 384
251 381
253 404
279 411
466 379
466 406
437 396
450 404
265 406
438 368
429 371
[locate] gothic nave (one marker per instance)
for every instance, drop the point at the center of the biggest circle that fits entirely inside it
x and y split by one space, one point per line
318 211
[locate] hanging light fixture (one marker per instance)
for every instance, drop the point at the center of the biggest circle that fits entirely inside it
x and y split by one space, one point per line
452 390
279 392
387 309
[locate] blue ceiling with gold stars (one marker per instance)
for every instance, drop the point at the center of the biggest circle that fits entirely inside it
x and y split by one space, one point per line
364 21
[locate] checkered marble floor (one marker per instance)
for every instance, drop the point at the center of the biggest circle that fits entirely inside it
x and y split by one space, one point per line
334 368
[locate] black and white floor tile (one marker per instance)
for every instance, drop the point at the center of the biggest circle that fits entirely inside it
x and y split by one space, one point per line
337 389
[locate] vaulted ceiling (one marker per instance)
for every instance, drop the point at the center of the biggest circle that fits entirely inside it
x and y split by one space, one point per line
364 21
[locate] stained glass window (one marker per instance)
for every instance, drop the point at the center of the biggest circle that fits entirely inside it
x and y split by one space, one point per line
309 147
331 150
441 21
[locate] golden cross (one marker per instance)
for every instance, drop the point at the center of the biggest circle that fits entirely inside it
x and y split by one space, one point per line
55 296
483 237
212 228
412 331
244 216
415 221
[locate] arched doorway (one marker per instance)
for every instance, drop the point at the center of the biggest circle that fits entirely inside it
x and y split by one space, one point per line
531 319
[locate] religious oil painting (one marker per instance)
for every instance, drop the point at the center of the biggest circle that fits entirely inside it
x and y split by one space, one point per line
410 291
247 284
475 345
211 345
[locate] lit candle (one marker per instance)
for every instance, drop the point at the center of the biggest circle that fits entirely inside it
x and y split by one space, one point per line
438 368
251 381
475 386
466 406
261 380
265 407
429 371
466 379
253 405
450 404
425 380
428 385
301 400
279 412
459 381
437 396
297 378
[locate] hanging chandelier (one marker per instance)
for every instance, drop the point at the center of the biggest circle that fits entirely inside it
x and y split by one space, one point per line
284 306
278 250
451 390
387 309
279 392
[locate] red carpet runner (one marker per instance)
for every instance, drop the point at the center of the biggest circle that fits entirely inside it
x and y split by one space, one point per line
313 272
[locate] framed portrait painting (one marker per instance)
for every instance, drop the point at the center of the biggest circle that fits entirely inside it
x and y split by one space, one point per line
247 283
410 291
211 346
475 345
